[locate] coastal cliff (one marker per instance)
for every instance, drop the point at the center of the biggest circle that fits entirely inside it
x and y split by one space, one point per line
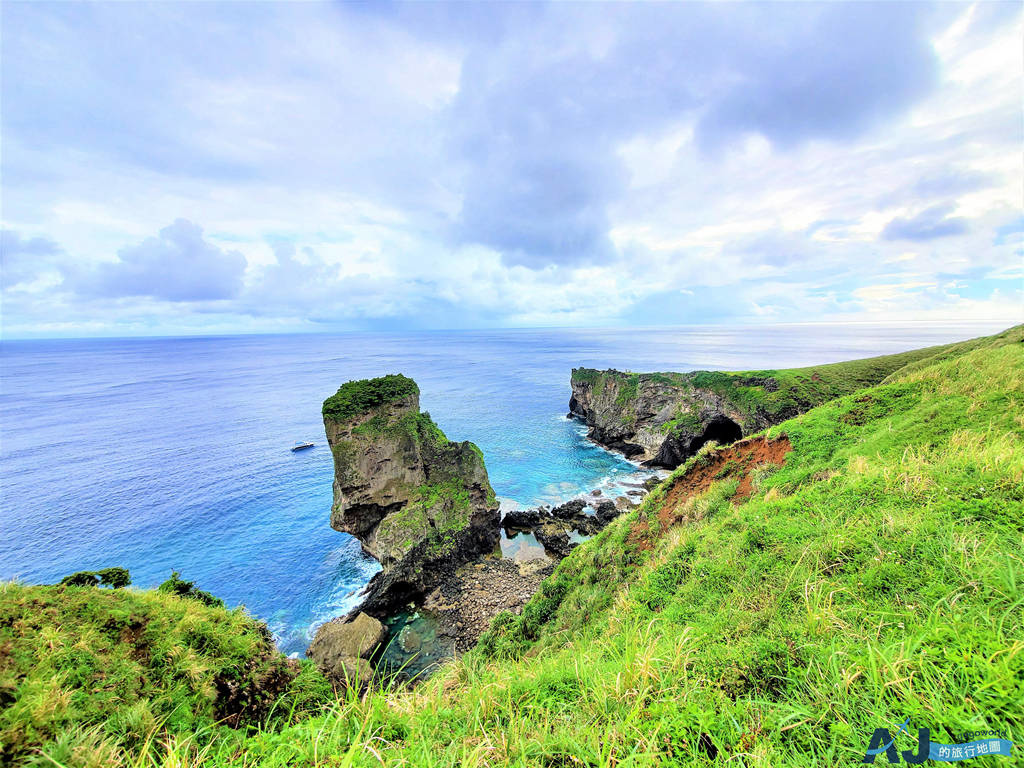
661 419
419 503
657 418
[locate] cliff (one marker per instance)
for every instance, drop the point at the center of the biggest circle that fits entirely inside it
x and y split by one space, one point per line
418 502
662 419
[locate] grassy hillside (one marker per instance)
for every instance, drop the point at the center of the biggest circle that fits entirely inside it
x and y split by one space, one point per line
757 614
88 675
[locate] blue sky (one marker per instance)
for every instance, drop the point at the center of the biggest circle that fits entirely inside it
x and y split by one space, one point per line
234 167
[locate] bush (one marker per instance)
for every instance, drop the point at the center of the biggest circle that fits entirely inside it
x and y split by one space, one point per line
178 586
115 578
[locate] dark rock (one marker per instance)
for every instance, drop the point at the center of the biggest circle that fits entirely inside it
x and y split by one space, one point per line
606 511
555 539
569 510
521 519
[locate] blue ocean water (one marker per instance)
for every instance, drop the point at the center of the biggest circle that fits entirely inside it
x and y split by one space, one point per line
173 453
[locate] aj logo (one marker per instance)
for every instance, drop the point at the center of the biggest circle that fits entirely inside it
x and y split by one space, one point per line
882 741
980 743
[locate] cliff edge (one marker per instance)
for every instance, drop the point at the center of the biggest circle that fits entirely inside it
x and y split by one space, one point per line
661 419
419 503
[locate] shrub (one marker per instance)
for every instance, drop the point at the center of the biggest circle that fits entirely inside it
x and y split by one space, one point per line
356 397
178 586
115 578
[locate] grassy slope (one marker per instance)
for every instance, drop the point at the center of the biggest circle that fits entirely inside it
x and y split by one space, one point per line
87 673
876 576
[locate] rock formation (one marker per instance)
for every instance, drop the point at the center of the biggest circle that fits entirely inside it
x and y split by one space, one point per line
553 526
342 648
419 503
661 419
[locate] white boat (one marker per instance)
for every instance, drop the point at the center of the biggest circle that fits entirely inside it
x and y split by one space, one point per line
300 446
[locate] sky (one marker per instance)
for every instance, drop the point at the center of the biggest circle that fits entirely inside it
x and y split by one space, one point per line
180 167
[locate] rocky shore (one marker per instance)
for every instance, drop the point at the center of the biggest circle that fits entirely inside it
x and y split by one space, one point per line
423 506
466 603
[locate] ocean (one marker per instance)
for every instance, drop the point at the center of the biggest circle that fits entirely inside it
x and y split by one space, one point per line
161 454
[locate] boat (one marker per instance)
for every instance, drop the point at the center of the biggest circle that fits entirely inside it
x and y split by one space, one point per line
300 446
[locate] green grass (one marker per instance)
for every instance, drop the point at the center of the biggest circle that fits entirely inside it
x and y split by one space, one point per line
877 575
357 397
89 674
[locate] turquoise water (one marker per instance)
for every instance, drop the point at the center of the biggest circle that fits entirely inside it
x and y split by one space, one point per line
161 454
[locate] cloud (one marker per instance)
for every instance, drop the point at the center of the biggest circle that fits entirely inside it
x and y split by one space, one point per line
1005 233
22 260
177 265
835 71
539 119
400 165
930 224
952 181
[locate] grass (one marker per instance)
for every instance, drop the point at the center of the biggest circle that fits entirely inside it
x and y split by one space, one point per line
876 575
89 674
358 397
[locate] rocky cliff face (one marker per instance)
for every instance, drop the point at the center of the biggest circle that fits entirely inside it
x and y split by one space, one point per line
660 419
419 503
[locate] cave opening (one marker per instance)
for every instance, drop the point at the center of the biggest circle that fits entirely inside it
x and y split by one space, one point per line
721 429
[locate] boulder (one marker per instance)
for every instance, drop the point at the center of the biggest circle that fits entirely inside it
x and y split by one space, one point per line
569 510
341 649
606 511
521 519
555 539
347 672
357 637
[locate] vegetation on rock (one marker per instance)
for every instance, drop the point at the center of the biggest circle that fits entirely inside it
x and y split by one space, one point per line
178 586
613 402
357 397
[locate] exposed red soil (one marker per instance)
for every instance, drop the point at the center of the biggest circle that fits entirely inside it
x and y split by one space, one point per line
734 461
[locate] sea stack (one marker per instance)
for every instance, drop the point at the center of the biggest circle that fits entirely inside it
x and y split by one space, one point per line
419 503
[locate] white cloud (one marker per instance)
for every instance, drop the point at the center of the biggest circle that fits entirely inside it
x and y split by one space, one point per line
537 165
